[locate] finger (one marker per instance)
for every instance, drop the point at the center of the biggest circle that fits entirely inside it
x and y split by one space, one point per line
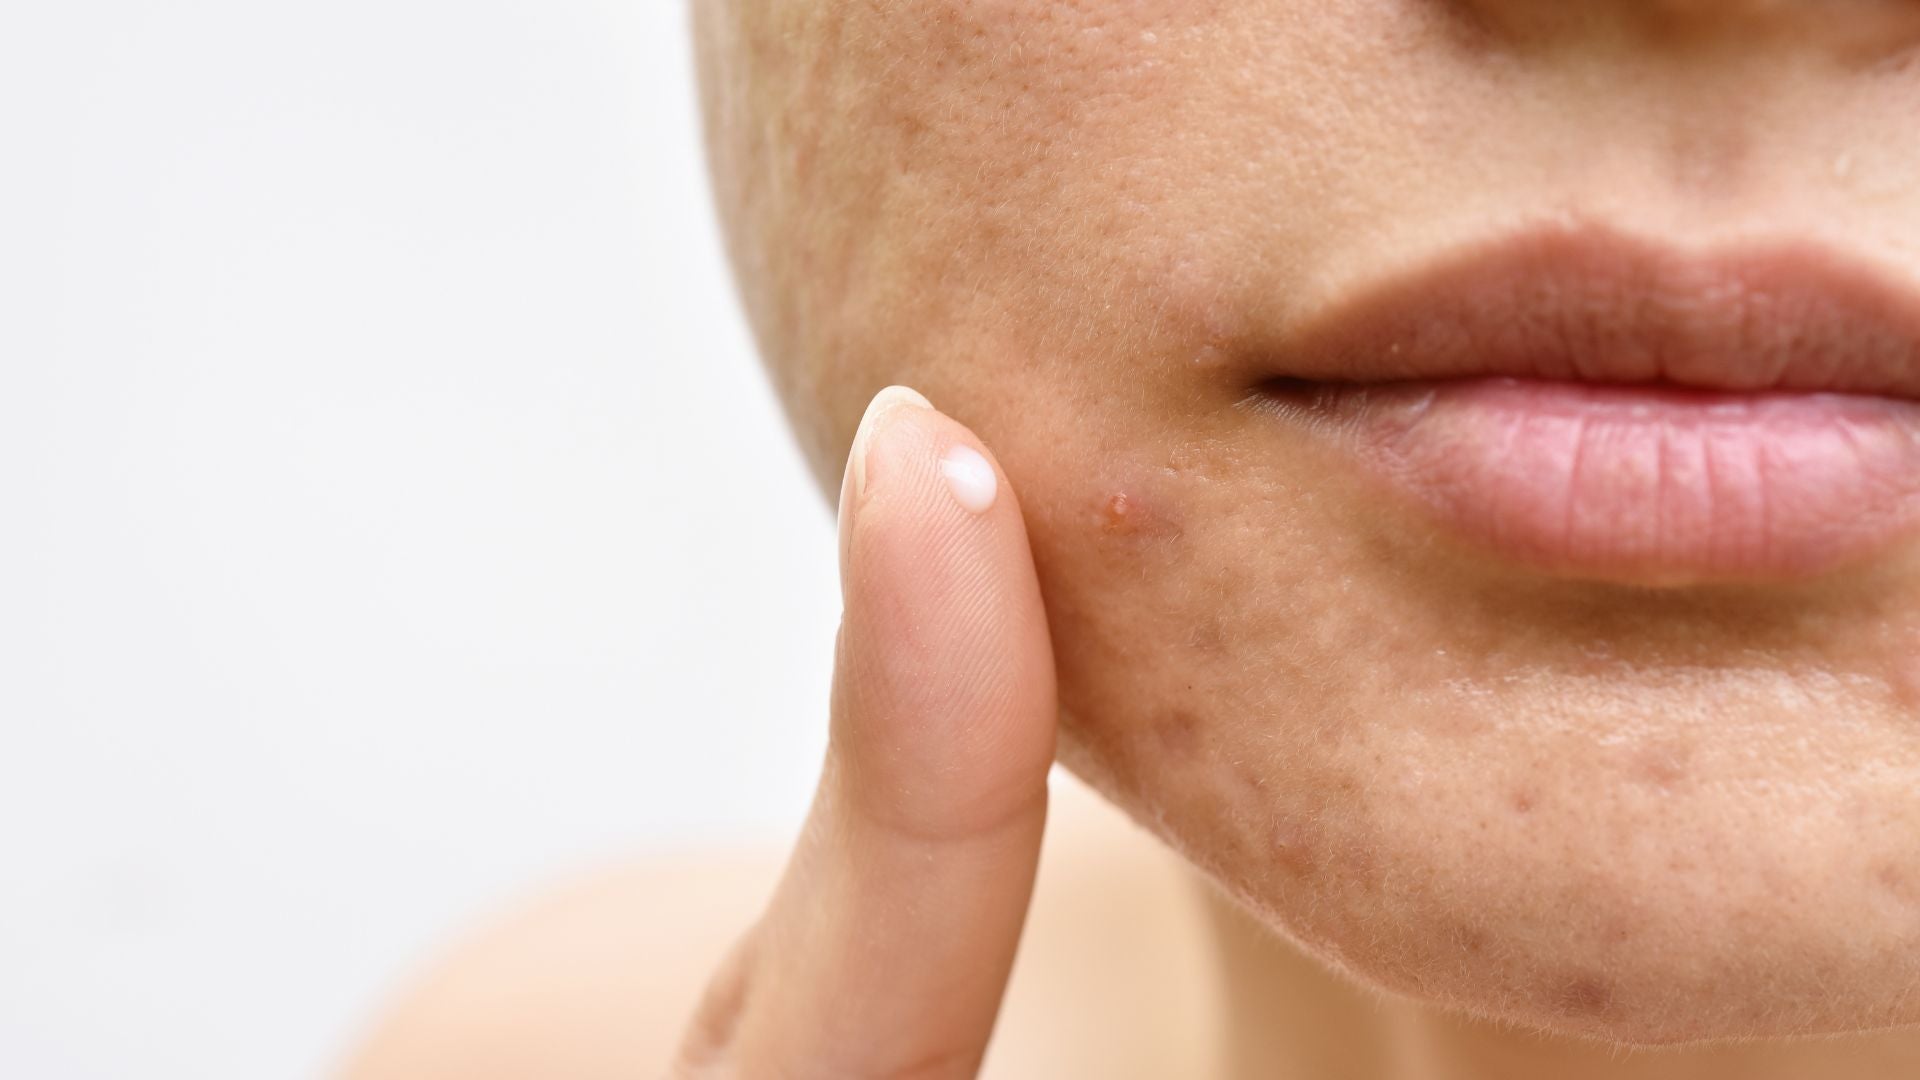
887 946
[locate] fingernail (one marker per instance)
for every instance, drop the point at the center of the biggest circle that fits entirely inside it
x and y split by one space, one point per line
970 477
882 403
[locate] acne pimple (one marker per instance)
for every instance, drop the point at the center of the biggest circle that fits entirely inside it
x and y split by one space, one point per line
1127 512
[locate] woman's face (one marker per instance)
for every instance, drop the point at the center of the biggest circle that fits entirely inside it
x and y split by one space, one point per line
1593 711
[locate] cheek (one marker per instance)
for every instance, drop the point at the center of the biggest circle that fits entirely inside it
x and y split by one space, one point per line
1193 664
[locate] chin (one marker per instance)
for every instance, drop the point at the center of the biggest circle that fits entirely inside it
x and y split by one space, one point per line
1652 897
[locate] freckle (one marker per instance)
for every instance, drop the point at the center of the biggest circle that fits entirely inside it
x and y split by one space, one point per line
1523 801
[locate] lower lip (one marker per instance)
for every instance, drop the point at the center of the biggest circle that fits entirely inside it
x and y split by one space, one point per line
1637 483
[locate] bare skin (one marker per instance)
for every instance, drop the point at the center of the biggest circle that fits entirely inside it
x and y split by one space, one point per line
1632 826
1131 964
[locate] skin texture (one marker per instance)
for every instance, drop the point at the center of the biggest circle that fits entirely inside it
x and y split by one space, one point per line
1648 815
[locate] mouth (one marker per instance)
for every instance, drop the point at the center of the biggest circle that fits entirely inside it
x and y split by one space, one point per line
1607 407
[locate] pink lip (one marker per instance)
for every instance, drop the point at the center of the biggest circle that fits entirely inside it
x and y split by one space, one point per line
1608 408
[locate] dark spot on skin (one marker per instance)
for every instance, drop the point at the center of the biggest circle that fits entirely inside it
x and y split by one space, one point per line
1583 995
1179 733
1296 847
1896 881
1523 800
1250 778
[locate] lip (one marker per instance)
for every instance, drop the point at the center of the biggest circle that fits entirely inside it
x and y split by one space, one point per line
1604 406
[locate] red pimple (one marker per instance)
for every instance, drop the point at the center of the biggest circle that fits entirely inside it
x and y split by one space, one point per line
1127 513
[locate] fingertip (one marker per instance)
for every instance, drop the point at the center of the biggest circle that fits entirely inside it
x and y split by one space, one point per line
948 669
908 445
871 423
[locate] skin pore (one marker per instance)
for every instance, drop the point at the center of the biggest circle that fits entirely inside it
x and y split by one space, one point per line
1659 817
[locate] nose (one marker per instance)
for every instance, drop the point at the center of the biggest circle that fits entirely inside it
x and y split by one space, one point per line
1852 29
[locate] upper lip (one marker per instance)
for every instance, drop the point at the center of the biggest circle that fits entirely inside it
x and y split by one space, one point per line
1601 305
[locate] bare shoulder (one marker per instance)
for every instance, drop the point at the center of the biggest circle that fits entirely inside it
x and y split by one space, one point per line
596 979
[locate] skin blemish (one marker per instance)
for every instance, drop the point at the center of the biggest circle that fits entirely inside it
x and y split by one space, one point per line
1524 800
1662 766
1896 882
1583 995
1131 514
1119 514
1179 734
1296 847
1251 779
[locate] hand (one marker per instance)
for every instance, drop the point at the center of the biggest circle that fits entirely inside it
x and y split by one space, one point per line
887 945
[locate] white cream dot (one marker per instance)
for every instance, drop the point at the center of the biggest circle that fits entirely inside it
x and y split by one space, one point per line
970 477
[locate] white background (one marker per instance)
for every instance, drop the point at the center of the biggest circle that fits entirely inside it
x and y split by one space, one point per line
393 516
